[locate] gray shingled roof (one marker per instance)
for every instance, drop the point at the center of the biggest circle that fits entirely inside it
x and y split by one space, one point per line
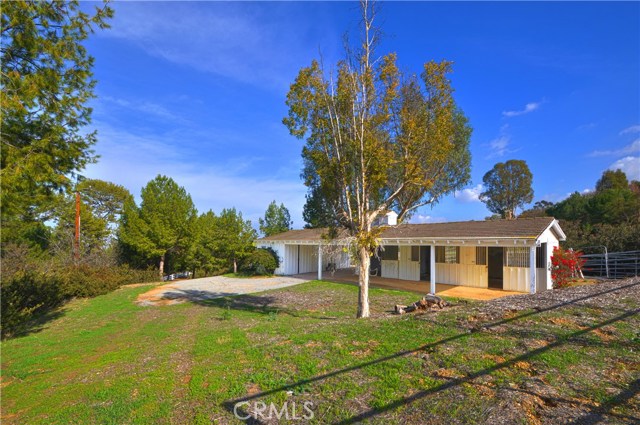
522 228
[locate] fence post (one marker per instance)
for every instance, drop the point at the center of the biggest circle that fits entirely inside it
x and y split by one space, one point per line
606 261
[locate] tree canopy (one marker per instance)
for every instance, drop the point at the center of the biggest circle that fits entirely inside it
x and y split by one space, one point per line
276 220
236 237
539 209
612 179
609 217
46 83
317 212
162 224
377 140
507 187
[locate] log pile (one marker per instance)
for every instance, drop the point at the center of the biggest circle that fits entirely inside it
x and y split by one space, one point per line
423 304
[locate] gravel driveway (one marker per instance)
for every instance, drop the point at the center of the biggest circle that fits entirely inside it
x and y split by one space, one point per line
212 287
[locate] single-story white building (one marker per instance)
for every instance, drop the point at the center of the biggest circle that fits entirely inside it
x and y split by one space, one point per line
512 255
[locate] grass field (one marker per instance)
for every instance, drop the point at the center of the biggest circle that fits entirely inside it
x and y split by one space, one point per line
108 361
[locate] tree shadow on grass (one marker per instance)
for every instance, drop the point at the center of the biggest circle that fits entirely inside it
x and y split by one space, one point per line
259 304
597 413
33 325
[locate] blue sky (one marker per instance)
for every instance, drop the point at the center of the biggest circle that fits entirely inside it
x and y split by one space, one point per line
196 91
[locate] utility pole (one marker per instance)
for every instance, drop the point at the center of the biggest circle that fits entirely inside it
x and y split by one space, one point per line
76 238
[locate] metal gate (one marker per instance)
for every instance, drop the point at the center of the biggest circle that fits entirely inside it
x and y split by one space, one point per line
612 265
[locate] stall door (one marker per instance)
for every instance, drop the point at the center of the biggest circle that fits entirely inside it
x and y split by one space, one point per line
495 263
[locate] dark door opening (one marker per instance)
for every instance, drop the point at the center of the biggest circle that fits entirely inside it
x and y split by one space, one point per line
495 263
375 269
425 263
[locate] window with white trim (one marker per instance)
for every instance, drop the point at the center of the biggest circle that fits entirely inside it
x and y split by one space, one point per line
516 257
541 256
415 253
448 254
481 255
389 252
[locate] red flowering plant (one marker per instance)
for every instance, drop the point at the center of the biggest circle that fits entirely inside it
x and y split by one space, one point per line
566 266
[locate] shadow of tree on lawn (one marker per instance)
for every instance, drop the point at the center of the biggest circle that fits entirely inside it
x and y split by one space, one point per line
596 412
259 304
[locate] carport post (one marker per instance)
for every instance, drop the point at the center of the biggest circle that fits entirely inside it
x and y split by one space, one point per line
432 268
532 269
319 261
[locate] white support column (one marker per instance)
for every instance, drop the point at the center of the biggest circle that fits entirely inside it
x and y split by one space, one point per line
319 261
532 269
432 267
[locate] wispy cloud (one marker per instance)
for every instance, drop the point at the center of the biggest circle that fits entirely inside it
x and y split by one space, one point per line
529 107
470 194
630 165
132 160
587 126
500 146
251 44
632 129
421 218
627 150
146 107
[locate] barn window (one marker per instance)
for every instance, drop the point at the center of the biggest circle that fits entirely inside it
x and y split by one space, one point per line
516 257
390 253
481 255
448 254
541 256
415 253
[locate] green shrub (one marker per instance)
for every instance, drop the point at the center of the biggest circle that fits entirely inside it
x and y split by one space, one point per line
261 262
87 281
28 295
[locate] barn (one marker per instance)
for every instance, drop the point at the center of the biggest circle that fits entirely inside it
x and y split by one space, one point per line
512 255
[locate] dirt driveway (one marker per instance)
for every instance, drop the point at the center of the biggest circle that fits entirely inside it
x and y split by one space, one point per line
212 287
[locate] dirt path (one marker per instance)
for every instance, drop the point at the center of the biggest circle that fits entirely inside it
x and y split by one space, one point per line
208 288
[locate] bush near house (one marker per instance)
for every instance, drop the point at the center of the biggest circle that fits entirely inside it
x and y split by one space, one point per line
565 266
261 262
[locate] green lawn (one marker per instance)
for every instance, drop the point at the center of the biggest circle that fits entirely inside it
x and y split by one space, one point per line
108 361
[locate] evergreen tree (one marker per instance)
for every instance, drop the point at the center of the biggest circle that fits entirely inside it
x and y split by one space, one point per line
163 224
612 179
46 83
276 220
317 211
235 237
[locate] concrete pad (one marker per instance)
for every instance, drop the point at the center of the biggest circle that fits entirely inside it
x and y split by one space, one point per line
207 288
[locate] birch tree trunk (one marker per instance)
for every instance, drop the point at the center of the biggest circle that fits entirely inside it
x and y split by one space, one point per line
363 293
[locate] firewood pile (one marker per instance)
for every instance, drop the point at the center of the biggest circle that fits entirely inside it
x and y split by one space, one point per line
425 303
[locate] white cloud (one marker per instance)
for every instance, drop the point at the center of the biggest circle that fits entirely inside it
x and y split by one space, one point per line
630 165
587 126
627 150
632 129
470 194
146 107
529 107
132 160
420 218
252 44
500 145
